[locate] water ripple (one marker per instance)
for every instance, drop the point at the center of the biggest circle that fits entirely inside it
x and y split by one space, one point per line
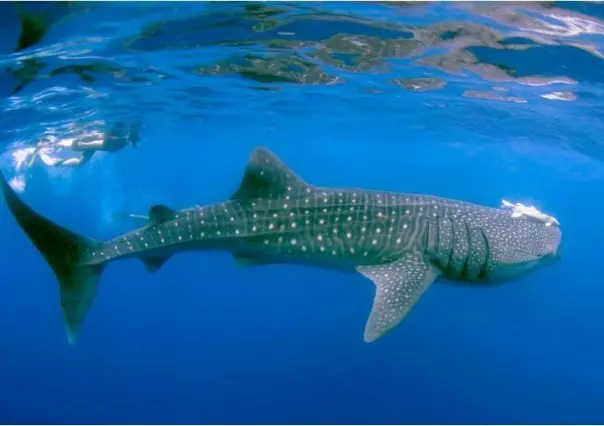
492 61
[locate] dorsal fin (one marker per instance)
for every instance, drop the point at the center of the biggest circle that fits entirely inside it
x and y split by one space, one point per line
160 214
266 176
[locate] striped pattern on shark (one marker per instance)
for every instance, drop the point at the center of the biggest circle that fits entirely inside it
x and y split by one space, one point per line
402 242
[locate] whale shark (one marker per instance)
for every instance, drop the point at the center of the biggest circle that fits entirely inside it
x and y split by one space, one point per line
402 242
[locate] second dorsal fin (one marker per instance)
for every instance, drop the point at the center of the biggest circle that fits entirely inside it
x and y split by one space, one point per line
268 177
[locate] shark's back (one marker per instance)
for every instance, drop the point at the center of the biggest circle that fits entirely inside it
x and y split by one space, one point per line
289 220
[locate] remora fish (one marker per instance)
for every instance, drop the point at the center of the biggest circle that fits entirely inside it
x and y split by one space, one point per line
401 242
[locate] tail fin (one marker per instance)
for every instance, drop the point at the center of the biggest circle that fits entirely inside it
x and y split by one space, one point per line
63 251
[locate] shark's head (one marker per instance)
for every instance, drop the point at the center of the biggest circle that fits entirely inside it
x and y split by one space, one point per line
519 244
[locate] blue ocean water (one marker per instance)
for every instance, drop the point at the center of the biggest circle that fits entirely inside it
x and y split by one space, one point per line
473 101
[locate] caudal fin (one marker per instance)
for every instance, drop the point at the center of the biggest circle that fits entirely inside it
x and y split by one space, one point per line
64 251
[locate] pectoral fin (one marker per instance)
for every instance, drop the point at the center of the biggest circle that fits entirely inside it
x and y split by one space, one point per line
399 285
